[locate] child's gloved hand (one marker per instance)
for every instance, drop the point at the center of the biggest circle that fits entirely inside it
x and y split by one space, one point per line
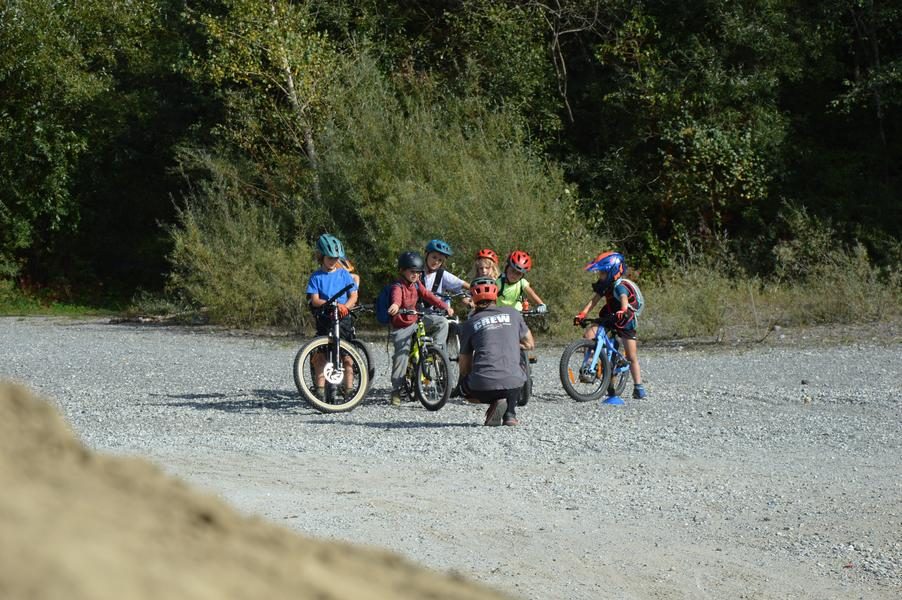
343 311
623 316
541 309
578 319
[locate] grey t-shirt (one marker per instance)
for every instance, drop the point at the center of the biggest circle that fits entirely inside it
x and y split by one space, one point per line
493 337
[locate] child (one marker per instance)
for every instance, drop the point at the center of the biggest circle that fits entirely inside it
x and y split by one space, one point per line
611 267
485 265
441 283
512 284
324 283
405 293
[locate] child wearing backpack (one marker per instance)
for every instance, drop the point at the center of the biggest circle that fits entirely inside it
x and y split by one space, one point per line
325 282
441 283
623 301
512 285
404 293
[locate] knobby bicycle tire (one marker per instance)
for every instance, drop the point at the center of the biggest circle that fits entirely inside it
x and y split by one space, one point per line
526 390
370 364
594 385
432 384
333 402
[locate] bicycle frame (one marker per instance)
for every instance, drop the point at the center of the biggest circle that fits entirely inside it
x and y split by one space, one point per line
332 372
607 345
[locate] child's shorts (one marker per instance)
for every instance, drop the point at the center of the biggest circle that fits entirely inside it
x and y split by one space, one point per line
345 327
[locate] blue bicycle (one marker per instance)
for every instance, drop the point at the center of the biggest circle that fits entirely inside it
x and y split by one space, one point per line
591 368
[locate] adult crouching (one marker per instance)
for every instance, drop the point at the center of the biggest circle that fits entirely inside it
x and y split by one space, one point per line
490 343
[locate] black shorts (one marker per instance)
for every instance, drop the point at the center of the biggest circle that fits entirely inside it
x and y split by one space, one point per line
487 396
345 327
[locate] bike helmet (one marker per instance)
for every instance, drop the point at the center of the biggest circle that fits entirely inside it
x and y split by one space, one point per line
328 245
439 246
483 289
519 261
410 260
611 263
487 253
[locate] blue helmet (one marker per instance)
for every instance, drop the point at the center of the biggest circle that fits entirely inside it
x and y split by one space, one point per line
611 263
329 245
440 246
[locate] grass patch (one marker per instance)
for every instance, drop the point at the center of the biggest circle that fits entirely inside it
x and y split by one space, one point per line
15 302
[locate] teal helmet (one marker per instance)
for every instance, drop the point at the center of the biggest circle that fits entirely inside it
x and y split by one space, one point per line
329 245
440 246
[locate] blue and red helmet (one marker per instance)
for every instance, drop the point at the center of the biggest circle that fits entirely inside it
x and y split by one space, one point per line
609 262
440 246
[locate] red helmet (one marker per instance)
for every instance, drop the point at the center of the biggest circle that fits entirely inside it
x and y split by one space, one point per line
520 261
483 290
487 253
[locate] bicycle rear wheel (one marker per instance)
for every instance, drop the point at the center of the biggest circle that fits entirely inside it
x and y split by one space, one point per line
335 397
580 383
432 385
620 376
526 390
367 356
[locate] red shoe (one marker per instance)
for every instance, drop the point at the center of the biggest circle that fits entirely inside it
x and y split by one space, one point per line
511 421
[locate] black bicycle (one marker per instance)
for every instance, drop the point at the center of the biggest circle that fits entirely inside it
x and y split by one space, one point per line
345 367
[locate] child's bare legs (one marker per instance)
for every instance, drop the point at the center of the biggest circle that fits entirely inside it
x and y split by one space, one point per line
590 332
319 363
348 363
630 347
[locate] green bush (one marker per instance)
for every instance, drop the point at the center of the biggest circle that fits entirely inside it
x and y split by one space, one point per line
401 174
228 257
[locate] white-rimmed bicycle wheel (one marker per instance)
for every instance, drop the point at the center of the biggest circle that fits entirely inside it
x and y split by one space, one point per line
335 397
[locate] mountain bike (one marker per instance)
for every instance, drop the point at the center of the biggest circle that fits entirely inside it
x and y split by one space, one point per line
342 391
590 368
428 368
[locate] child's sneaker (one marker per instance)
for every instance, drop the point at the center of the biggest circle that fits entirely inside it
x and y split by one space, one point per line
320 393
639 392
395 399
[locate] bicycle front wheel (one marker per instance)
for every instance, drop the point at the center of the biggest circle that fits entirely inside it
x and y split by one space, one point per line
432 378
580 382
337 396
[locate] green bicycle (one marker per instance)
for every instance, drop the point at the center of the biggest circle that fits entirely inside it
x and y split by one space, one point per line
428 368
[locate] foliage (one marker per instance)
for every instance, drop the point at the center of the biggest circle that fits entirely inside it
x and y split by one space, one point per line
229 258
401 175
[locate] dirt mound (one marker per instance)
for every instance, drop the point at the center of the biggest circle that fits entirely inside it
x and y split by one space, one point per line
81 525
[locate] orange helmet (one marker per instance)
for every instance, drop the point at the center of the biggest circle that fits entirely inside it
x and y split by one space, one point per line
520 261
483 290
487 253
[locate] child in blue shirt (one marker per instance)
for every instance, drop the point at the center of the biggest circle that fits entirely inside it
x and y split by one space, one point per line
324 283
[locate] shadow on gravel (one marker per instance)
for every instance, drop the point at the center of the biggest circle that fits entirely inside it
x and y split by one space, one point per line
389 424
253 401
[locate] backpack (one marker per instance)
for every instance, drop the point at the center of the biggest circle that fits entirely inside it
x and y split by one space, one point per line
383 301
634 297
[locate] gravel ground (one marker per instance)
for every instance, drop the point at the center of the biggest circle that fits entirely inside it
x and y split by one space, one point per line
766 471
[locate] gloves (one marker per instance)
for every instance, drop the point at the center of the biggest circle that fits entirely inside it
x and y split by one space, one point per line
342 311
578 319
541 309
623 316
